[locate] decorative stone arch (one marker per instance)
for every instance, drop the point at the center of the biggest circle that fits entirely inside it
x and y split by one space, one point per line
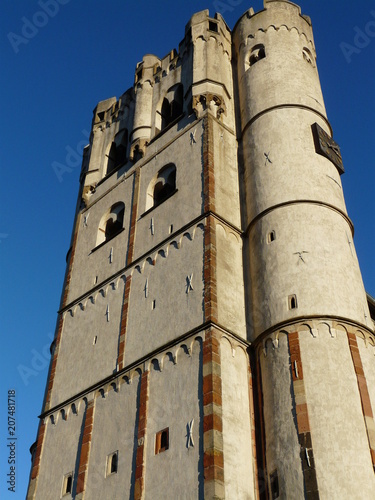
111 223
162 186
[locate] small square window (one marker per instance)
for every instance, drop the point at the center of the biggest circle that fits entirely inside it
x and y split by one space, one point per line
67 484
212 26
112 464
162 441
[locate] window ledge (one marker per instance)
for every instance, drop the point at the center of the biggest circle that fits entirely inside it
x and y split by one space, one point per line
159 204
106 241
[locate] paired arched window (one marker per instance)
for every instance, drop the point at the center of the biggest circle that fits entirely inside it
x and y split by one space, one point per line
162 186
111 223
258 52
171 107
117 153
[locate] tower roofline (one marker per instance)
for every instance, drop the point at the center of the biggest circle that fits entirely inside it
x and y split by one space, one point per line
266 3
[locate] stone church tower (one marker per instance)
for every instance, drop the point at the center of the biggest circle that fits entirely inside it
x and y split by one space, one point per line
214 338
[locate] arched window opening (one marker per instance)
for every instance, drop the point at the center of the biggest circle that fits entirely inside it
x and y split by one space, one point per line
112 463
111 223
307 56
117 153
166 114
165 184
258 52
171 107
162 186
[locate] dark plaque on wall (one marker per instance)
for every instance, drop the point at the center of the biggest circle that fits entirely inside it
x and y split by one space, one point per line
326 146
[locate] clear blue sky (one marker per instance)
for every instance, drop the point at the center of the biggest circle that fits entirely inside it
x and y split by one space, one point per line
87 52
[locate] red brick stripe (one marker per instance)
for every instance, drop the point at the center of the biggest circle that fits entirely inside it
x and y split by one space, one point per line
303 423
85 447
133 217
38 451
363 390
123 326
209 272
213 458
142 426
52 372
208 165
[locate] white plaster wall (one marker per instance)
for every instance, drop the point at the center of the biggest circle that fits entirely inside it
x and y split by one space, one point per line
185 204
114 430
327 283
227 198
80 363
283 76
237 442
229 275
297 172
176 311
88 264
282 446
175 399
341 449
59 455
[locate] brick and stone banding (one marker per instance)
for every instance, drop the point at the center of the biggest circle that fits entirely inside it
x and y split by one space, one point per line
85 447
140 470
302 416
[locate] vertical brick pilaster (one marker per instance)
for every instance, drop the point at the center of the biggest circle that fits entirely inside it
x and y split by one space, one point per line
60 320
123 325
253 432
142 426
213 458
209 272
260 435
70 265
38 450
85 448
208 165
302 414
52 372
368 414
134 215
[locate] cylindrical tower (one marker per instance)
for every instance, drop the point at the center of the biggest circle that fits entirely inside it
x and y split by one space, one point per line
305 291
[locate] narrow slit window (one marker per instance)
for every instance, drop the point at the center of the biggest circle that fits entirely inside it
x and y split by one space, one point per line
162 441
112 463
271 237
67 484
153 304
292 299
171 229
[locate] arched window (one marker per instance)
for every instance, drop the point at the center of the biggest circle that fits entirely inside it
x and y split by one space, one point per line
112 463
166 114
170 108
258 52
162 186
307 56
117 153
111 223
